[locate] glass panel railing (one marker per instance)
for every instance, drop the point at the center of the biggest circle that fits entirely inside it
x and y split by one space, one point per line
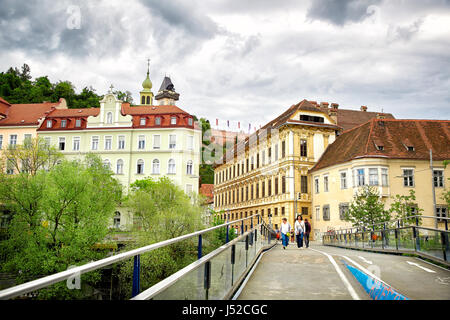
389 239
220 275
406 239
377 240
358 240
189 287
240 259
429 242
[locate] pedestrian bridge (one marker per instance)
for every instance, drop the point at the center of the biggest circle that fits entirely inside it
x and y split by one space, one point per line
350 264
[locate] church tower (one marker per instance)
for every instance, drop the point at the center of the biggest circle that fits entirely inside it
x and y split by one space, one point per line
167 94
146 95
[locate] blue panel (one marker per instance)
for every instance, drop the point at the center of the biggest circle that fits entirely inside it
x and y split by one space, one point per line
377 290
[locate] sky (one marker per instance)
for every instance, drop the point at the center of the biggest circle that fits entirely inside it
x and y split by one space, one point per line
243 61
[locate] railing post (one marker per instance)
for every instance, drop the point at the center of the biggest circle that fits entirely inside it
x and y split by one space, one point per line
228 232
246 250
242 227
207 279
444 242
396 239
383 235
233 259
251 223
199 248
136 276
446 224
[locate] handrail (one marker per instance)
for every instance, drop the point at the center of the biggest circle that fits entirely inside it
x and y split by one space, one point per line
163 284
91 266
385 222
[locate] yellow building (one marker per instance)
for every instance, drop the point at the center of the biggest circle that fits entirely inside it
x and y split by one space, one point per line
391 155
267 173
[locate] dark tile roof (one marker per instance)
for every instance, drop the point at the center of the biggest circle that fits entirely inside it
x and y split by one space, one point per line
394 135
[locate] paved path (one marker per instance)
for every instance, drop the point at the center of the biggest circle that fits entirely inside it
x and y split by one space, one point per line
309 274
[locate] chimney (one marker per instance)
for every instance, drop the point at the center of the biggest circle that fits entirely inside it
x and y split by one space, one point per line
333 113
334 105
324 105
381 116
364 108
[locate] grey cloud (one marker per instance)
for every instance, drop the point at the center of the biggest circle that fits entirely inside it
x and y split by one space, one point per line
340 12
404 33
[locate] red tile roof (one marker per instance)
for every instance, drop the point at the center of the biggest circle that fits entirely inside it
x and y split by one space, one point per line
394 135
149 110
208 191
26 114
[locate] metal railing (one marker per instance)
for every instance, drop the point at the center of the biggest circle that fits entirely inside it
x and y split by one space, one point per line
249 238
396 237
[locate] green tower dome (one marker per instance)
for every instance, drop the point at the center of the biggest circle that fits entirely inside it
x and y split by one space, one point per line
147 84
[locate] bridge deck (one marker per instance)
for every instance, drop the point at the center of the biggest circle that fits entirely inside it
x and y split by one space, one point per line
309 274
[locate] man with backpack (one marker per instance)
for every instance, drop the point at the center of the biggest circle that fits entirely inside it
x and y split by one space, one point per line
307 232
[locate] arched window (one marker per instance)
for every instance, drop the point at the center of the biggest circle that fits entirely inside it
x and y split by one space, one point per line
140 166
155 169
119 166
189 167
109 117
171 166
107 164
143 100
116 222
148 99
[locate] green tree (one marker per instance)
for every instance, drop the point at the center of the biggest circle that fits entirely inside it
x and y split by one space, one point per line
405 206
366 208
124 96
59 216
162 211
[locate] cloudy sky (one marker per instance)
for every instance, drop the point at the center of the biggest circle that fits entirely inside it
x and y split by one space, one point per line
243 61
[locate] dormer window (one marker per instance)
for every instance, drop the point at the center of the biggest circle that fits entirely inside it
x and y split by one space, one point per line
109 117
190 121
78 123
49 123
380 148
63 123
173 120
158 121
304 117
142 122
410 148
408 145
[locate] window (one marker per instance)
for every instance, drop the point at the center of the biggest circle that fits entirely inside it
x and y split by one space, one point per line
173 120
343 208
304 184
269 185
343 180
189 168
141 142
49 123
94 145
360 175
142 121
62 143
318 213
172 141
276 185
441 212
190 142
257 190
438 178
189 190
78 123
252 163
172 166
140 167
326 212
158 121
283 149
107 164
109 117
325 184
10 166
304 211
275 212
303 148
119 166
316 184
13 140
257 161
155 167
408 177
263 189
269 155
283 184
263 158
276 152
283 211
108 142
384 177
143 100
27 137
63 123
190 121
116 222
148 99
47 140
76 143
121 142
1 141
373 176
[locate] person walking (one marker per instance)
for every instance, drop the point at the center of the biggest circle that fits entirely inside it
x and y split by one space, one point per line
285 228
307 232
299 231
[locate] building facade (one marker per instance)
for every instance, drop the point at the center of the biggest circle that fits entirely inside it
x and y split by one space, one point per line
134 141
392 156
